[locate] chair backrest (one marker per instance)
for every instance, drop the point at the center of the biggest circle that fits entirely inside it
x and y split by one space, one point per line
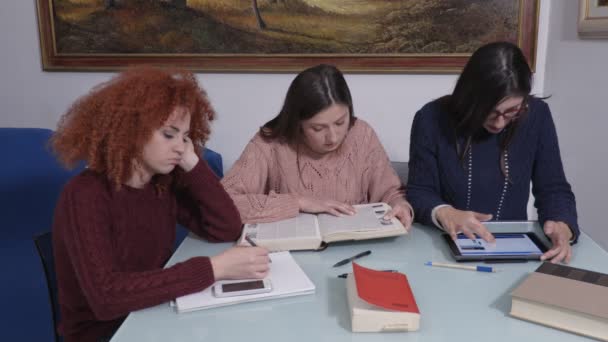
31 180
214 160
402 170
44 245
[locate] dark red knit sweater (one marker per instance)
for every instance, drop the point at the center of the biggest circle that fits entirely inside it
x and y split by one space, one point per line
110 247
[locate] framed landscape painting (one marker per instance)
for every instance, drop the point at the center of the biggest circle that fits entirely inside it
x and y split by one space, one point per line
593 19
279 35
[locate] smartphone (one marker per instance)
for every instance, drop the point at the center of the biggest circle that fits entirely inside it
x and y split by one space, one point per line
241 288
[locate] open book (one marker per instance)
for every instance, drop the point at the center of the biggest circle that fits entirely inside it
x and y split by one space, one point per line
312 231
381 301
564 297
287 278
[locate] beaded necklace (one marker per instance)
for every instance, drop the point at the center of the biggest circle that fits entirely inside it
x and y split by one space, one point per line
504 186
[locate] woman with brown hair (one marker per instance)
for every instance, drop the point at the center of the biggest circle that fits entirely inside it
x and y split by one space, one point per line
315 156
114 224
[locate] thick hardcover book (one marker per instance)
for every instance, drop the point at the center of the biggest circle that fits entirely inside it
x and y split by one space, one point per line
563 297
313 231
381 301
286 276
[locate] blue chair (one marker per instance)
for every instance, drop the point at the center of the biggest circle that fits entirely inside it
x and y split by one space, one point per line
31 180
402 170
214 160
44 246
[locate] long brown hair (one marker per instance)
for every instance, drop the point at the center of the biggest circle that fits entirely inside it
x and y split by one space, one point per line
312 91
108 127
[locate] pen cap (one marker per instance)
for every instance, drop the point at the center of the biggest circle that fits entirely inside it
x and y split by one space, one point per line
484 269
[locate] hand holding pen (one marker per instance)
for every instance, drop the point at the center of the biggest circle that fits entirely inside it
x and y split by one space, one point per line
253 244
241 263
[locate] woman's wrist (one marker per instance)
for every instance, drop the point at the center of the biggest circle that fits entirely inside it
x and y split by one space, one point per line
438 214
216 267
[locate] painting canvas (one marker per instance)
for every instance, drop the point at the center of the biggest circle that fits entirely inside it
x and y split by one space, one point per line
279 35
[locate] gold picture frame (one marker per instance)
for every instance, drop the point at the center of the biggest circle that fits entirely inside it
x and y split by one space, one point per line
71 32
593 19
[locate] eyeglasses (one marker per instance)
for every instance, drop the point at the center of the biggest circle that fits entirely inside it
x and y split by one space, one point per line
509 114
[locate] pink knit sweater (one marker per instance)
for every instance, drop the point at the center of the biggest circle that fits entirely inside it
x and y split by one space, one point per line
264 179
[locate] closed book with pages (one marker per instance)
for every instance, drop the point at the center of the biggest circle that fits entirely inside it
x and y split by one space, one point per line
381 301
566 298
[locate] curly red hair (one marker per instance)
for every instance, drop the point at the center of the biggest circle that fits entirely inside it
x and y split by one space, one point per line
109 126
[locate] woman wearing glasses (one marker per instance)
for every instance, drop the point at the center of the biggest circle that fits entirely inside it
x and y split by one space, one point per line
474 153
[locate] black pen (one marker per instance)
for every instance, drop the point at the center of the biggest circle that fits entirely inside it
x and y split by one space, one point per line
345 275
346 261
253 244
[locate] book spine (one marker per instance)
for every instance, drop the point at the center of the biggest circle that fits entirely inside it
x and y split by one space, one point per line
573 273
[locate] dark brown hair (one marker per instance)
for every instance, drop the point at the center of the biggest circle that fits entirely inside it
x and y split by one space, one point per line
494 71
312 91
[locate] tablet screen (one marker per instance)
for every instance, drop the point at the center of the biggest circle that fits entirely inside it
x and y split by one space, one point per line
506 244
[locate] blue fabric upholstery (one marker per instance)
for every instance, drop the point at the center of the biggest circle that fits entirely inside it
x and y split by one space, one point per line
27 313
31 180
214 160
402 170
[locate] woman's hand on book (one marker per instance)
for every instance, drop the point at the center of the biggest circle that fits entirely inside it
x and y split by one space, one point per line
241 263
469 223
402 212
560 235
315 206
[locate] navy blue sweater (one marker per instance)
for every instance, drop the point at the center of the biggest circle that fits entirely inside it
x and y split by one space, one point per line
436 175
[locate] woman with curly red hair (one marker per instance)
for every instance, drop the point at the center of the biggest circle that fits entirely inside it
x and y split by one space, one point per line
114 224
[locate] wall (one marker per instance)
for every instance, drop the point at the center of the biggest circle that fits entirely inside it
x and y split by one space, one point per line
576 76
31 97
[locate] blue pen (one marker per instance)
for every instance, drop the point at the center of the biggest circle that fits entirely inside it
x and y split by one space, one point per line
489 269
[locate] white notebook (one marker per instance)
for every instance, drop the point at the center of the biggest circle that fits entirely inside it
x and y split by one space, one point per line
287 278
